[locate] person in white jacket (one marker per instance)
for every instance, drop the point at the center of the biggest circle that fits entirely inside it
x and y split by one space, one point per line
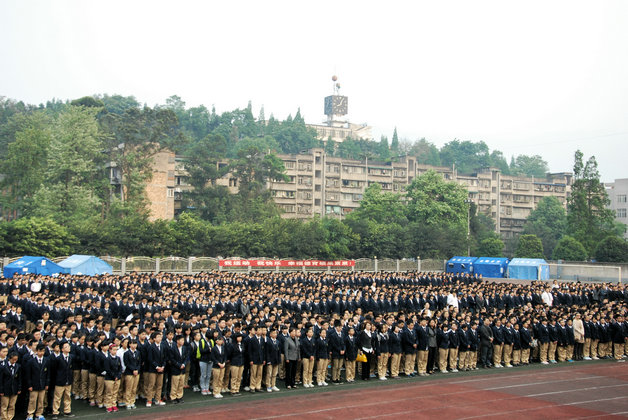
547 297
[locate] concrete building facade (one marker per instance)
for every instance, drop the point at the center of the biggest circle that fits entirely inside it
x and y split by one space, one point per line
618 193
331 186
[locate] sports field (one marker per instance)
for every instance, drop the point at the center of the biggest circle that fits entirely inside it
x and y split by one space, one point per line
586 390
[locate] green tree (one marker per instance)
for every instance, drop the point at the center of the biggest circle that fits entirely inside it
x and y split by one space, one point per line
118 104
530 246
612 249
498 160
589 221
548 222
530 166
434 201
425 152
394 144
73 160
88 102
23 166
467 156
380 207
491 247
569 249
36 236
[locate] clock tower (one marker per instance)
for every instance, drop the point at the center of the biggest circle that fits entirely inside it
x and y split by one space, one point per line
336 127
336 105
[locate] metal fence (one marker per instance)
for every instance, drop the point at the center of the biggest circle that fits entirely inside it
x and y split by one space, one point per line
564 271
172 264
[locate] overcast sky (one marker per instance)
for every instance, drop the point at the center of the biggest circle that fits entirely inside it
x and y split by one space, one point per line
534 77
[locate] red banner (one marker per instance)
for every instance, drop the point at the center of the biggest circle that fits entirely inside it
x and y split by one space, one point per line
286 263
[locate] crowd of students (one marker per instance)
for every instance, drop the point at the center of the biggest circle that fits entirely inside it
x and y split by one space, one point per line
116 341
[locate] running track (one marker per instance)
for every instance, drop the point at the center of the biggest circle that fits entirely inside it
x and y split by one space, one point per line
587 392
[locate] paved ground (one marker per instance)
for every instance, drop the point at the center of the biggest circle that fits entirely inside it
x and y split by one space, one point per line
597 389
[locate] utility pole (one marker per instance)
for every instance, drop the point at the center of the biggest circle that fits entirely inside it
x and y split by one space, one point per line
468 202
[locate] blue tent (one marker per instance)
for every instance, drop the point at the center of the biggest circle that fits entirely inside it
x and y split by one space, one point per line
32 265
491 267
86 265
460 265
528 269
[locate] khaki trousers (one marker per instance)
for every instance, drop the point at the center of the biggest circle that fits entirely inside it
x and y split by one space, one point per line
507 353
552 350
594 348
569 349
7 407
544 347
236 378
111 393
395 362
152 386
36 403
271 375
562 353
525 355
62 393
131 383
76 382
92 387
619 350
382 364
442 359
409 363
422 361
516 357
349 370
453 359
217 377
462 359
308 367
84 391
321 370
100 390
336 365
176 386
497 353
282 367
602 349
256 377
473 359
226 378
586 350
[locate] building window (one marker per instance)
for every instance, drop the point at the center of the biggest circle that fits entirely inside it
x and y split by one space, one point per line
621 198
170 193
621 213
233 182
289 164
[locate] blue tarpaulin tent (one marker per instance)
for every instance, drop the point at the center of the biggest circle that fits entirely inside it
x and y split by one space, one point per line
491 267
528 269
32 265
86 265
460 265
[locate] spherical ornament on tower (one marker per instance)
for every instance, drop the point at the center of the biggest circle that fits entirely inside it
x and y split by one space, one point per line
334 78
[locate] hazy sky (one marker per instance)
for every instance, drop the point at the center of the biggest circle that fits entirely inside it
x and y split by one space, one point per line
534 77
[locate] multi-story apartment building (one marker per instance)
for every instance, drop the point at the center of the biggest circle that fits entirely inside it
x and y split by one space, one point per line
331 186
617 193
160 188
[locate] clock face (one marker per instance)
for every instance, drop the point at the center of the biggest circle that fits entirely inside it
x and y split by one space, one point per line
329 105
336 105
340 105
